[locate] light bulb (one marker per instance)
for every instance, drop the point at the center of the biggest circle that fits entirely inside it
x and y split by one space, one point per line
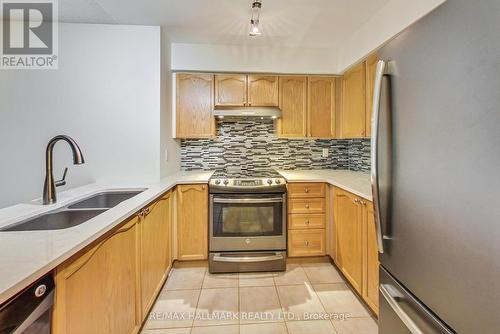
254 28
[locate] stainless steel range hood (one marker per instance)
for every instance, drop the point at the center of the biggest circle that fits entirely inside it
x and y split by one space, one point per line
268 112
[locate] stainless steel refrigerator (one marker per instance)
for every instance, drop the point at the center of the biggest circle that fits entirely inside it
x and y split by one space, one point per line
436 172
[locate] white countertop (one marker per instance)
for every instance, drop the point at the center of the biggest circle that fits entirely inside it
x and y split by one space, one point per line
27 255
357 183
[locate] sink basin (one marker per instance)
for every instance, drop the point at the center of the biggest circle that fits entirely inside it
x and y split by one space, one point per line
105 200
55 221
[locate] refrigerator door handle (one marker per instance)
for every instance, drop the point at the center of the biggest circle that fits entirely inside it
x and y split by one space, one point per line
379 75
390 294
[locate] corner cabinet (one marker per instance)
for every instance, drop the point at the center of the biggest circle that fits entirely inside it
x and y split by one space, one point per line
192 222
96 293
194 105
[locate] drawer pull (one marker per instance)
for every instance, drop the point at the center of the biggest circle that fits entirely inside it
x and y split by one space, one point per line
306 190
307 243
307 206
307 222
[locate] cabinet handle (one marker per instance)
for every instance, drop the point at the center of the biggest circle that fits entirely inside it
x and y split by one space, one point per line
307 243
307 222
147 211
306 190
356 200
307 206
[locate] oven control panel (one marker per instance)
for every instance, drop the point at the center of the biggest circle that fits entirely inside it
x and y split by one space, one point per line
250 183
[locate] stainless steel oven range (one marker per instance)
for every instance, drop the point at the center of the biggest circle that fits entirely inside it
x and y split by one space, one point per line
247 227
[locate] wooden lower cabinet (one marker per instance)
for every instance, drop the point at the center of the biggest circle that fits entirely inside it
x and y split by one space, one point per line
370 258
96 293
348 222
192 222
110 287
356 244
155 250
309 242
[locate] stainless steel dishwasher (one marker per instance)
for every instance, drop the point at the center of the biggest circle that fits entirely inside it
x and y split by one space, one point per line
30 311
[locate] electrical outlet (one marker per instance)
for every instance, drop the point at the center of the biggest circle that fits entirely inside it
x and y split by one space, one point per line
325 153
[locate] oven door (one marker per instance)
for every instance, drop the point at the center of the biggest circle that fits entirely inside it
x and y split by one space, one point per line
243 222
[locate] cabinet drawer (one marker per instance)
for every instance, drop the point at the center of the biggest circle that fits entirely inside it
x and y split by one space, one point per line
306 205
306 221
306 242
306 190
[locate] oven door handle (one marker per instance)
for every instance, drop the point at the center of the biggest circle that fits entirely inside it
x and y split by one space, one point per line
247 259
248 200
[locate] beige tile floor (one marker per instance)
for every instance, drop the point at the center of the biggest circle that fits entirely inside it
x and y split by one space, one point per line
311 297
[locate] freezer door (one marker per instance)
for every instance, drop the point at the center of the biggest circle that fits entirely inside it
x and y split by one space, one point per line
401 313
442 227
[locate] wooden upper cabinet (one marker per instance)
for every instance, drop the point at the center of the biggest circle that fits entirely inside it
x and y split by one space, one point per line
262 90
192 222
230 90
371 66
348 224
321 107
293 104
194 105
353 115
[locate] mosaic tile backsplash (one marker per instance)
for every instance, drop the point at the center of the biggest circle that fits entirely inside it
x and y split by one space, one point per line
247 146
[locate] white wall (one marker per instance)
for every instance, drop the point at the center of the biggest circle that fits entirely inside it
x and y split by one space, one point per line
386 23
171 146
382 26
105 94
246 58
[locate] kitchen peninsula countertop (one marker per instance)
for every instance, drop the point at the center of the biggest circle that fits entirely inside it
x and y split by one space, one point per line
357 183
28 255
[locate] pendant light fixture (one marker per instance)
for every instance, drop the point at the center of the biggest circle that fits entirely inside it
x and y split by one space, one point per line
254 21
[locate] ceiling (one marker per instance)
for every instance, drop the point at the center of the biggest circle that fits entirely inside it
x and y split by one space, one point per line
321 24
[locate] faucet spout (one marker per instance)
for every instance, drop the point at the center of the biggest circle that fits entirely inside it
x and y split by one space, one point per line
49 187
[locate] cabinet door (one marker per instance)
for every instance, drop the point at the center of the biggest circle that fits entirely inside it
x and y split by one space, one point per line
371 66
192 220
348 220
353 116
262 90
293 105
370 258
96 293
230 90
321 107
155 250
194 105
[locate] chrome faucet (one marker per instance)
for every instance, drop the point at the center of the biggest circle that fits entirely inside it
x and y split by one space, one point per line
49 187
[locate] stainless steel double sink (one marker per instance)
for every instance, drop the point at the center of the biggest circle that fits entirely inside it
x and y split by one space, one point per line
76 213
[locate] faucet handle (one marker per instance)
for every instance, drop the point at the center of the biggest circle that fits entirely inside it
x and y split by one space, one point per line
62 182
